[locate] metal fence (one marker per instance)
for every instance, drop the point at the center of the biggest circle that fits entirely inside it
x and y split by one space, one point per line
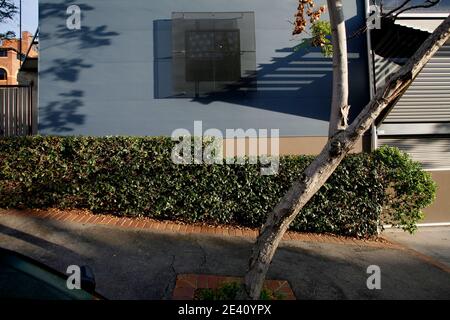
15 111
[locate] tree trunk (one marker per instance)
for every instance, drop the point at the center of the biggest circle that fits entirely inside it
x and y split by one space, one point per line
339 104
317 173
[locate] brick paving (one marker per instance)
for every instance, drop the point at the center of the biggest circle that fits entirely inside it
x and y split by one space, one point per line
86 217
187 284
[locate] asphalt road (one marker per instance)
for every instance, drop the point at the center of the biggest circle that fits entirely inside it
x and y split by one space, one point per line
142 264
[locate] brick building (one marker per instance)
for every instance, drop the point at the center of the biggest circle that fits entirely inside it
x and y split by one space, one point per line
10 58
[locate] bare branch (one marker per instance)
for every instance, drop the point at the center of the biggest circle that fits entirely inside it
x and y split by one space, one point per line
398 8
427 4
7 10
394 13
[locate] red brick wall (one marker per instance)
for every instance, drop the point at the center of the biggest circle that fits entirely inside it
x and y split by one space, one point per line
11 63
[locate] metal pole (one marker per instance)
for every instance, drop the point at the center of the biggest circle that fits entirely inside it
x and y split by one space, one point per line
20 31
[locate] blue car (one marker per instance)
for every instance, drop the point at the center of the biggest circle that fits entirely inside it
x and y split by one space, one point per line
24 278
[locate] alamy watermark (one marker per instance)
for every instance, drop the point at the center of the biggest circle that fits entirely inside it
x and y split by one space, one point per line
73 282
207 147
374 280
73 21
374 17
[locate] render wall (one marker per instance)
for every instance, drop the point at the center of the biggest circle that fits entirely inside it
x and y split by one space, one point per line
115 75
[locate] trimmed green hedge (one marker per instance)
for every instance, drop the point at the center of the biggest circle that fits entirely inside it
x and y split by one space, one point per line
136 177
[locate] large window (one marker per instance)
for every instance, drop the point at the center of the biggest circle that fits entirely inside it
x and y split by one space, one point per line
3 74
212 52
3 53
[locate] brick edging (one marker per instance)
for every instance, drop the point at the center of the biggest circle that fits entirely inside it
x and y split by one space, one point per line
86 217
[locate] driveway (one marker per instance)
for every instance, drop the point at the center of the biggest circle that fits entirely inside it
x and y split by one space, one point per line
143 264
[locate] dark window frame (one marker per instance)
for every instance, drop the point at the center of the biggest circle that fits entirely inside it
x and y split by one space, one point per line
214 56
3 73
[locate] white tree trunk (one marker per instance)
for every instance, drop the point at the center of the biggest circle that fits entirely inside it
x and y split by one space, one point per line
317 173
339 103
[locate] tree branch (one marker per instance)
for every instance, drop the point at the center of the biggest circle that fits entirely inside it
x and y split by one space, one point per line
398 8
427 4
7 10
321 168
339 103
390 15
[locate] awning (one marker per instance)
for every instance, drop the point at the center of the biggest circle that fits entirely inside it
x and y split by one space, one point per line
427 25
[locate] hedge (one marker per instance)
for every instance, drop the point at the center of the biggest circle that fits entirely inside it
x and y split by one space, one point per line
135 177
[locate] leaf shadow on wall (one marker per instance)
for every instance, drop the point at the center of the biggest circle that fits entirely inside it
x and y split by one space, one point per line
63 114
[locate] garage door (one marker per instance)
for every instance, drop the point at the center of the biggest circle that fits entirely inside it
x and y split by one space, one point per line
433 153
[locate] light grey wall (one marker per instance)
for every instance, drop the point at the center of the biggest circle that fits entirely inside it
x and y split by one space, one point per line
107 78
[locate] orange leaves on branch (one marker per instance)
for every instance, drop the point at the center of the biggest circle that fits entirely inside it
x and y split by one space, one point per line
320 31
306 13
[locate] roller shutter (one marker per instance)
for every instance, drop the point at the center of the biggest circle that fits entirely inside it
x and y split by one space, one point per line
428 97
433 153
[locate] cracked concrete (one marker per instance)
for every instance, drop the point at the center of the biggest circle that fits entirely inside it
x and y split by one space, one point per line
205 257
143 264
169 287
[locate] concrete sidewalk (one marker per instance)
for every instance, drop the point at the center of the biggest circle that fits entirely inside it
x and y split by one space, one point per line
143 264
430 241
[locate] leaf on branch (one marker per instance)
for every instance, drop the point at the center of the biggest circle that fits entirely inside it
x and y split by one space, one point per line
320 30
7 35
